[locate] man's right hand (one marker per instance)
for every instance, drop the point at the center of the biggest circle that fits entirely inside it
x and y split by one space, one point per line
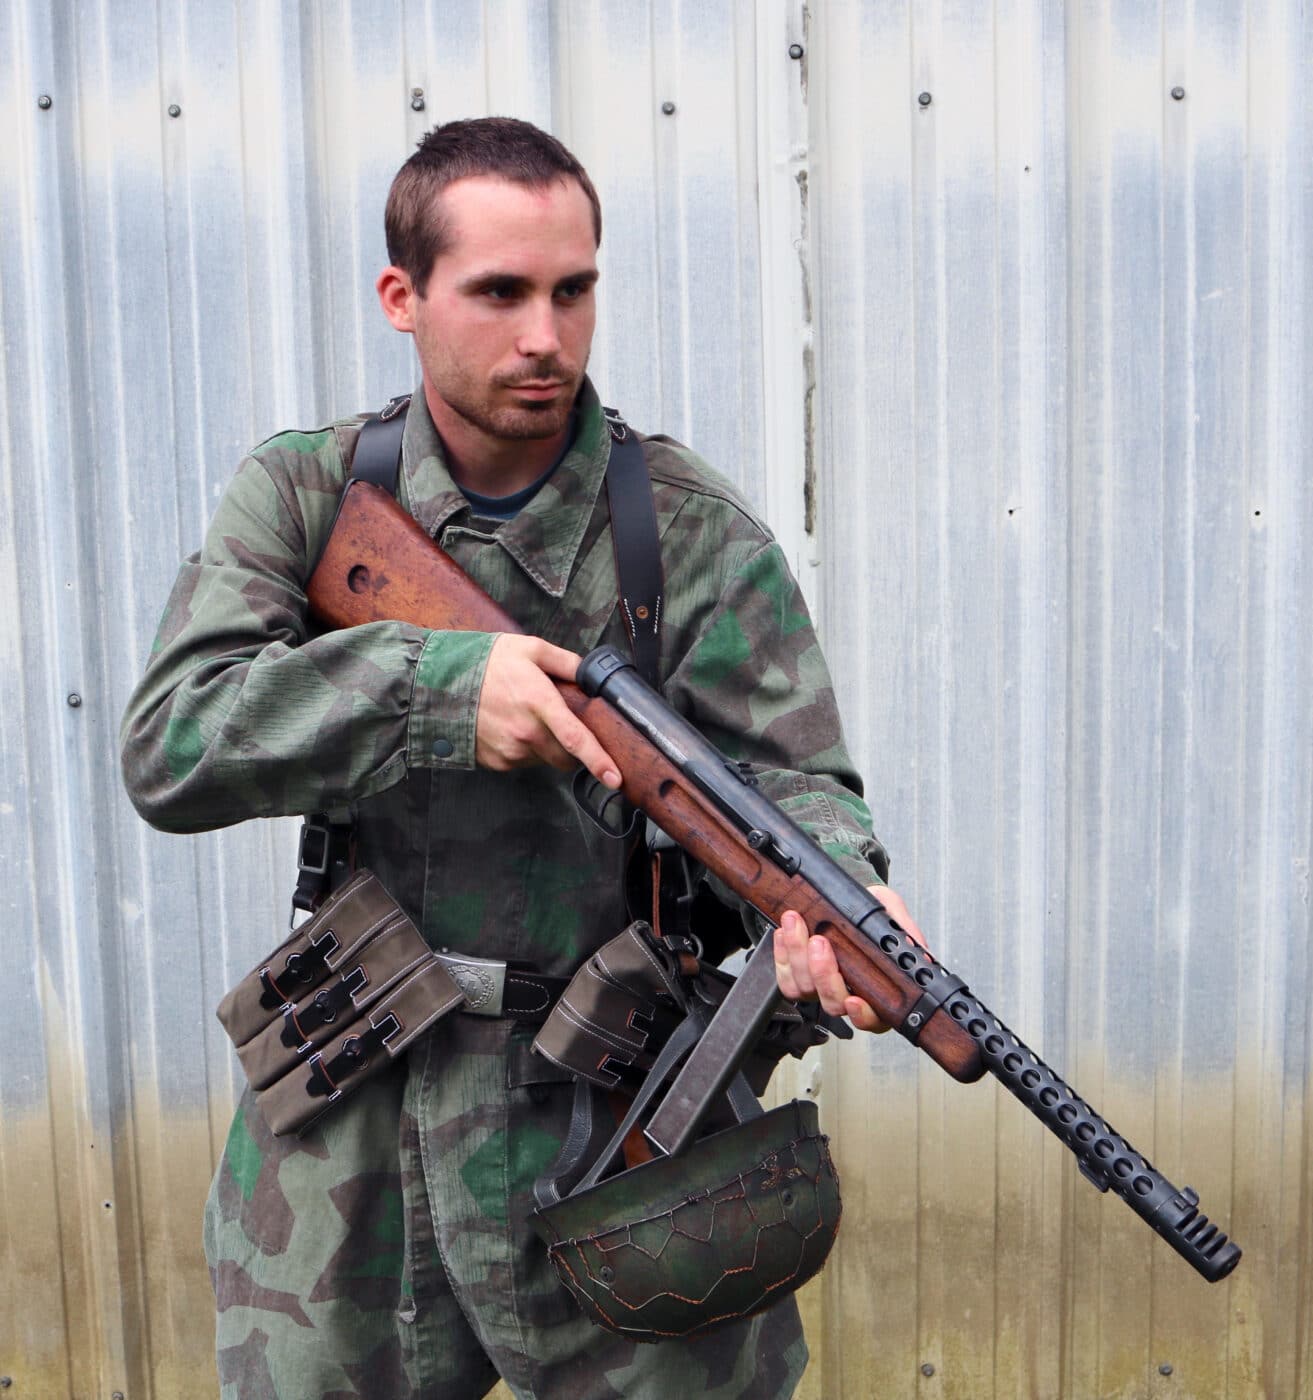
522 719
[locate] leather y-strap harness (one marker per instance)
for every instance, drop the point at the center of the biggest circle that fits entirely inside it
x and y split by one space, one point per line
325 857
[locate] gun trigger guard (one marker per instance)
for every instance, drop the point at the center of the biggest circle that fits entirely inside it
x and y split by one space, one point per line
585 789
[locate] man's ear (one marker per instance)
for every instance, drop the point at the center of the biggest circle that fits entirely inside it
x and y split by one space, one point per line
395 296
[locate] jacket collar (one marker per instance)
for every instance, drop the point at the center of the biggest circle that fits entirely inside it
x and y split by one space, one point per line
544 537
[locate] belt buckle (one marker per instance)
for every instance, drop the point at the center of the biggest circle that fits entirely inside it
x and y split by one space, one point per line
481 980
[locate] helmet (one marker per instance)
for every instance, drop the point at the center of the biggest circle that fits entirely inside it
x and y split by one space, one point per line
684 1244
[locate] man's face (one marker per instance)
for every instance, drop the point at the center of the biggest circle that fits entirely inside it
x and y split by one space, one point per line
504 327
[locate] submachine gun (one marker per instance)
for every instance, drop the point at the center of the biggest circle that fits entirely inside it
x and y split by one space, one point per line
381 565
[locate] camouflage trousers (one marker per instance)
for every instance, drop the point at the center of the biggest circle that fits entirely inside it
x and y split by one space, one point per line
387 1253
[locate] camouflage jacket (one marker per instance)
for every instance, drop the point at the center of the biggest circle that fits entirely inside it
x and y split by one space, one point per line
246 710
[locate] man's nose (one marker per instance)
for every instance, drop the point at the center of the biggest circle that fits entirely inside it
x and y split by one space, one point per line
539 335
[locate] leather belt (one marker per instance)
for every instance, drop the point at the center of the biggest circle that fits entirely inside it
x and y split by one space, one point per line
495 988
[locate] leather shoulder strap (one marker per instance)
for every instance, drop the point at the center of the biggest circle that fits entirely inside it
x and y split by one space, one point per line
378 449
327 857
637 546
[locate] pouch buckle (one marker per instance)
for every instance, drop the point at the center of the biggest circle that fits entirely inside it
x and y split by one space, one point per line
323 846
325 1078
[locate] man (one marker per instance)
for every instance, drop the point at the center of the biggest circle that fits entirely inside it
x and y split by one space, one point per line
387 1252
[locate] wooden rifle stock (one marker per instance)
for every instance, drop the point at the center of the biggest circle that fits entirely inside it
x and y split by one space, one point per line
380 565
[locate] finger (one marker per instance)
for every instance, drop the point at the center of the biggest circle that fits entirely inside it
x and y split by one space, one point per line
556 661
792 939
861 1015
796 935
572 742
828 980
834 993
788 983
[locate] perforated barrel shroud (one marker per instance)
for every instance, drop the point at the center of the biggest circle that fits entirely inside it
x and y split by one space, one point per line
724 1229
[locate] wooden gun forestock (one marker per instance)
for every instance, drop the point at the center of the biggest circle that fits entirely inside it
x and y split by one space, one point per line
380 565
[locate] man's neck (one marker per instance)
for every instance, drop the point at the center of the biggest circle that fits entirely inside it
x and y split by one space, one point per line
489 465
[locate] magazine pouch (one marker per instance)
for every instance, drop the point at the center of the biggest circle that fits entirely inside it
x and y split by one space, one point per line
335 1003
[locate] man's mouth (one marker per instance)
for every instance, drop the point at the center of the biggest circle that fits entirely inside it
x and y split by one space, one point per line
538 388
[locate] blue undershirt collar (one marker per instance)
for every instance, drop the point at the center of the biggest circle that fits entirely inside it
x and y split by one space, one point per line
508 507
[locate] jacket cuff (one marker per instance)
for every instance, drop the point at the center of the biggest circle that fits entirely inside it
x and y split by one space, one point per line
839 823
860 864
444 699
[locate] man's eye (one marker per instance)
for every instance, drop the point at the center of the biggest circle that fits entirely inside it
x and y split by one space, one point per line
571 291
500 291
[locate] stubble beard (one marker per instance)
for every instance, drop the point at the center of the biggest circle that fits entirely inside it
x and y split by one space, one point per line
522 422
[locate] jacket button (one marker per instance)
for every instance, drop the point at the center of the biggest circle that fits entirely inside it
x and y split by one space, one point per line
443 748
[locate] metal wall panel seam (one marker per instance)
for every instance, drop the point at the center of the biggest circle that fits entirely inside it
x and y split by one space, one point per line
27 1146
70 1004
857 94
670 214
783 150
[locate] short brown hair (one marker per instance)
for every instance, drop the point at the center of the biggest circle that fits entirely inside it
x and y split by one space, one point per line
417 233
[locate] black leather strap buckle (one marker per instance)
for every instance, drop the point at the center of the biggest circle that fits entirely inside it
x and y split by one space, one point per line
299 969
323 860
312 852
323 1010
326 1077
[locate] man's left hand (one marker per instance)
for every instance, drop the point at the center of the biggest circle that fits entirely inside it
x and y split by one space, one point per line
807 971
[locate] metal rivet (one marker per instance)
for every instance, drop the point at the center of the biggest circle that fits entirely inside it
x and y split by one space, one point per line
927 1369
45 104
443 748
117 1395
606 1273
417 99
641 612
74 700
1166 1369
1178 93
668 108
174 110
924 99
795 50
6 1382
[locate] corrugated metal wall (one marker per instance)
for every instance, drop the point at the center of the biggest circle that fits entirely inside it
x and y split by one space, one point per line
1011 344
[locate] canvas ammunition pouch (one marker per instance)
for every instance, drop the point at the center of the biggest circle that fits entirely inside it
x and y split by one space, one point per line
627 999
335 1003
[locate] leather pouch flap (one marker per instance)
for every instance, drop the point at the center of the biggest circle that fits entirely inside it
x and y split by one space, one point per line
358 1052
377 965
306 958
